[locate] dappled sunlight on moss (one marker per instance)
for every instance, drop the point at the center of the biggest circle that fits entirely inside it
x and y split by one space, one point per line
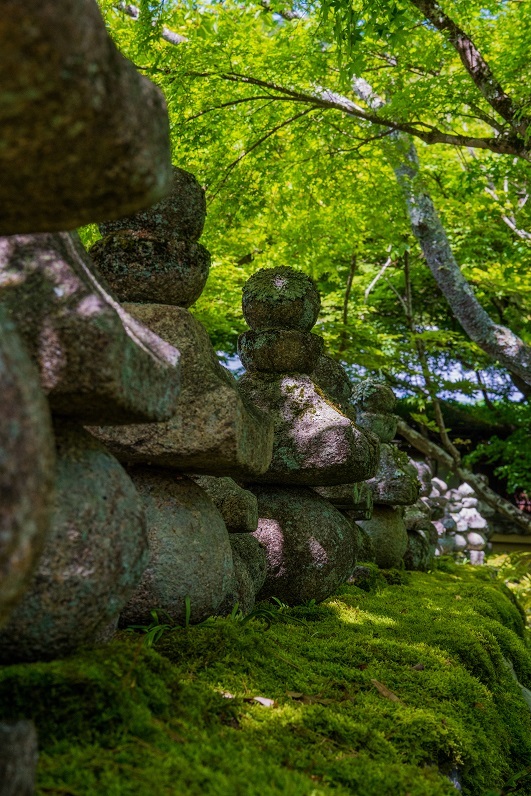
125 719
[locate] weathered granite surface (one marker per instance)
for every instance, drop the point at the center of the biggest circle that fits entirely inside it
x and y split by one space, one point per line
373 403
92 560
279 350
214 430
331 377
354 498
27 467
420 551
314 443
18 758
238 507
366 550
395 483
384 426
253 554
96 363
424 475
142 266
310 546
241 594
84 135
189 550
280 298
180 215
373 396
389 536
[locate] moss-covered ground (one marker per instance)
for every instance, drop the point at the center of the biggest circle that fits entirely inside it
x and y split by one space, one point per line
386 692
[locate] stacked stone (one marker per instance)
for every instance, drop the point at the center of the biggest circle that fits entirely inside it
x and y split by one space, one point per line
61 167
310 545
422 535
72 532
463 526
354 500
239 509
154 263
395 485
88 357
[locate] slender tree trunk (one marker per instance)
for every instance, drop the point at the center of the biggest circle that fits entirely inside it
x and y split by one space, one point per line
497 341
348 288
434 451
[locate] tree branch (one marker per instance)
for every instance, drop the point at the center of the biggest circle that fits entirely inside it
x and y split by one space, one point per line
256 144
330 100
378 276
348 288
476 66
288 14
134 12
239 101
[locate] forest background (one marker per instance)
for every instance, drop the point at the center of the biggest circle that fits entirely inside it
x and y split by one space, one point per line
375 146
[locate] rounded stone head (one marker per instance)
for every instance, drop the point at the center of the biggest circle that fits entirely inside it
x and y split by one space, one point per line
373 396
180 215
280 298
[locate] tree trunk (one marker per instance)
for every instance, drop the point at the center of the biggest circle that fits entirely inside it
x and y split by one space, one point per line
497 341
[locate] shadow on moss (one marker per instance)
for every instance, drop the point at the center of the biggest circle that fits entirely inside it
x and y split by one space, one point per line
181 719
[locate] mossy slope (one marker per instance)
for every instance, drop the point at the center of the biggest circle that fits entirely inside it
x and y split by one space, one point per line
127 720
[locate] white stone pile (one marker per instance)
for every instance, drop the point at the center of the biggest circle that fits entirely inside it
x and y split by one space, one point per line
461 520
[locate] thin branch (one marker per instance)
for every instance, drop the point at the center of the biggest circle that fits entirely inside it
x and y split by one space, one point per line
490 190
288 14
237 102
488 119
483 388
330 100
254 146
397 294
348 288
378 276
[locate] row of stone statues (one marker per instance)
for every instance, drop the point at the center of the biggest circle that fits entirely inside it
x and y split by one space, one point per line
135 472
176 485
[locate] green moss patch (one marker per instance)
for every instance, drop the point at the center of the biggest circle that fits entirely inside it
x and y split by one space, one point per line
383 692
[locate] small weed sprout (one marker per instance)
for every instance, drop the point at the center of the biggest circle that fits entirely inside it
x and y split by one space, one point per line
156 629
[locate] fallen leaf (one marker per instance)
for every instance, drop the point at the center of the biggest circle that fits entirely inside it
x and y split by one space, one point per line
363 666
294 694
458 597
479 705
419 667
267 703
386 692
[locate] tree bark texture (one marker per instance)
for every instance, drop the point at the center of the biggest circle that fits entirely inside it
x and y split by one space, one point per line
497 341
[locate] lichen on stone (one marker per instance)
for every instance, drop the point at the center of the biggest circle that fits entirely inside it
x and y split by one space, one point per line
278 284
